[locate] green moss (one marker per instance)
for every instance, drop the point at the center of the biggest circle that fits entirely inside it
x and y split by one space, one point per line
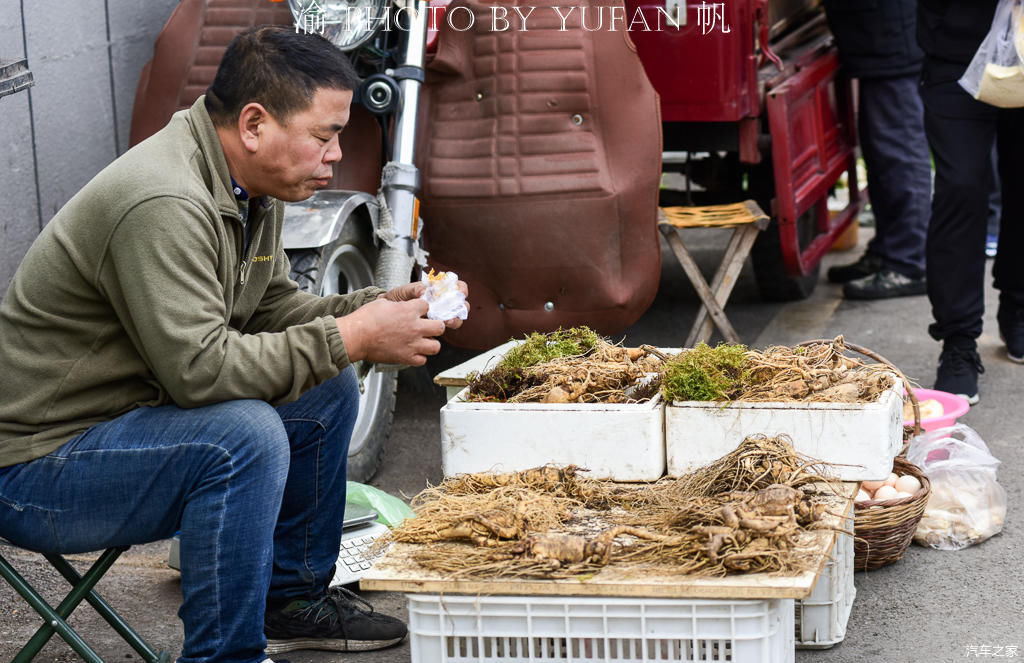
539 348
508 375
704 373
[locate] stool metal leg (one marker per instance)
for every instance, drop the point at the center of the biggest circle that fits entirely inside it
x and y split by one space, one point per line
103 608
55 621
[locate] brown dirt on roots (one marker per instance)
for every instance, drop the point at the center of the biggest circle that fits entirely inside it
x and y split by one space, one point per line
818 372
603 373
751 511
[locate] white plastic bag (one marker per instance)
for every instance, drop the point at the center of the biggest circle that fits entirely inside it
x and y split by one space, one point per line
966 505
446 301
996 74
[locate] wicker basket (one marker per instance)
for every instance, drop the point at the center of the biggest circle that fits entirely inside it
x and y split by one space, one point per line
883 529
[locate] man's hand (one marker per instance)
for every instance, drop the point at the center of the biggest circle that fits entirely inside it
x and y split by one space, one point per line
404 293
385 331
415 290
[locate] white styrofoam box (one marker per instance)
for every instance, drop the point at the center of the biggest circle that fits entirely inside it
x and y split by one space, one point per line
459 629
622 442
862 439
821 618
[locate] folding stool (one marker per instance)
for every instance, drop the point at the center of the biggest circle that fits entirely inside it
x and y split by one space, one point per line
55 618
747 219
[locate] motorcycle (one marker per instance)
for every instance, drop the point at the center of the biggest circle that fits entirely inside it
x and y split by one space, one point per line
342 240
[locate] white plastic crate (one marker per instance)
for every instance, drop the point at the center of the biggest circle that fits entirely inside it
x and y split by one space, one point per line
622 442
860 438
821 618
521 629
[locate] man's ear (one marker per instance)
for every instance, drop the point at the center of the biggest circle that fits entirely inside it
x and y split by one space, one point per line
250 125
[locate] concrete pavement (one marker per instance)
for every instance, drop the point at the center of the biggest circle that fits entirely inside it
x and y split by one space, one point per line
931 606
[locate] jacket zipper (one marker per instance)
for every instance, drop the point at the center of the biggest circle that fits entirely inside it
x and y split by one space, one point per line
241 248
254 241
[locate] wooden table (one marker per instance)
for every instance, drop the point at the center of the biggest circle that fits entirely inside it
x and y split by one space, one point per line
396 572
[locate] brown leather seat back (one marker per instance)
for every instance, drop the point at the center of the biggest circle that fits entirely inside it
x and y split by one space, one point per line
185 60
541 159
186 55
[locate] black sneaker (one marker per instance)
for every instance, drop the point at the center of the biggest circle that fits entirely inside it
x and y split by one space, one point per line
1011 330
958 372
335 622
868 264
884 284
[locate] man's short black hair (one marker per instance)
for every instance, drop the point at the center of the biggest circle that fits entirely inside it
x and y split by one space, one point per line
278 67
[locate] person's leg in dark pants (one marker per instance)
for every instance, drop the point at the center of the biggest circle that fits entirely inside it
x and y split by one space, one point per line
895 149
1008 270
960 132
301 612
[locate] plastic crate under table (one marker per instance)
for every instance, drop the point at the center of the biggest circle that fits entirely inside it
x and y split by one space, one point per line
821 618
460 629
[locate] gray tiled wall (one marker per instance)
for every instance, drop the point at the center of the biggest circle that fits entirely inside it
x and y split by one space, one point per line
85 57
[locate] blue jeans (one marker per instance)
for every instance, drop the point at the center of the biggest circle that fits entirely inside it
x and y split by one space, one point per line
257 493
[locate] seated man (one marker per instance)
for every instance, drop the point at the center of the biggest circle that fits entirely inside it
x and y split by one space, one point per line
160 372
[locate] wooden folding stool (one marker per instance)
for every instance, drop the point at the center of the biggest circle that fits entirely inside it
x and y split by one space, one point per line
747 219
54 619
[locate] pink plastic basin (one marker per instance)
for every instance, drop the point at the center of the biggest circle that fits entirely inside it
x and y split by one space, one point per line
953 407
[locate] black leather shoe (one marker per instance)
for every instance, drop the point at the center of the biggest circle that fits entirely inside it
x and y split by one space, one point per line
868 264
885 284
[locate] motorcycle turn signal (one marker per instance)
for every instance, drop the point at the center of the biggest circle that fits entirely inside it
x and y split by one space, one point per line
379 94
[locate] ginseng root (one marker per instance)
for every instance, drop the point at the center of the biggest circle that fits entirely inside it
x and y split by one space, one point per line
557 549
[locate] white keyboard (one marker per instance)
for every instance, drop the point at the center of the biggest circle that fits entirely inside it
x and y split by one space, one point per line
355 558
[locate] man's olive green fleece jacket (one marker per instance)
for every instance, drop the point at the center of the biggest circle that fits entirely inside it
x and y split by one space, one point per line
137 294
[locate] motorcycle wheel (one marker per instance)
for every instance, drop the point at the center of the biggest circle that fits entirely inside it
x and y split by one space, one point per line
343 266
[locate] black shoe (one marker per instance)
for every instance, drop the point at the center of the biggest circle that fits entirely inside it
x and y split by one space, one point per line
334 623
884 284
958 372
868 264
1011 330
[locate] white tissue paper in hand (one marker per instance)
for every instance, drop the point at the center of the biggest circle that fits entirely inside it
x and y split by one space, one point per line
443 294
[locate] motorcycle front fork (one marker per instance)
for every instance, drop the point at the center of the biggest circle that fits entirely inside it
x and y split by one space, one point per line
400 179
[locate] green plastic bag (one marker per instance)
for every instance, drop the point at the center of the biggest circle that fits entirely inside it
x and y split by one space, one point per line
390 510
